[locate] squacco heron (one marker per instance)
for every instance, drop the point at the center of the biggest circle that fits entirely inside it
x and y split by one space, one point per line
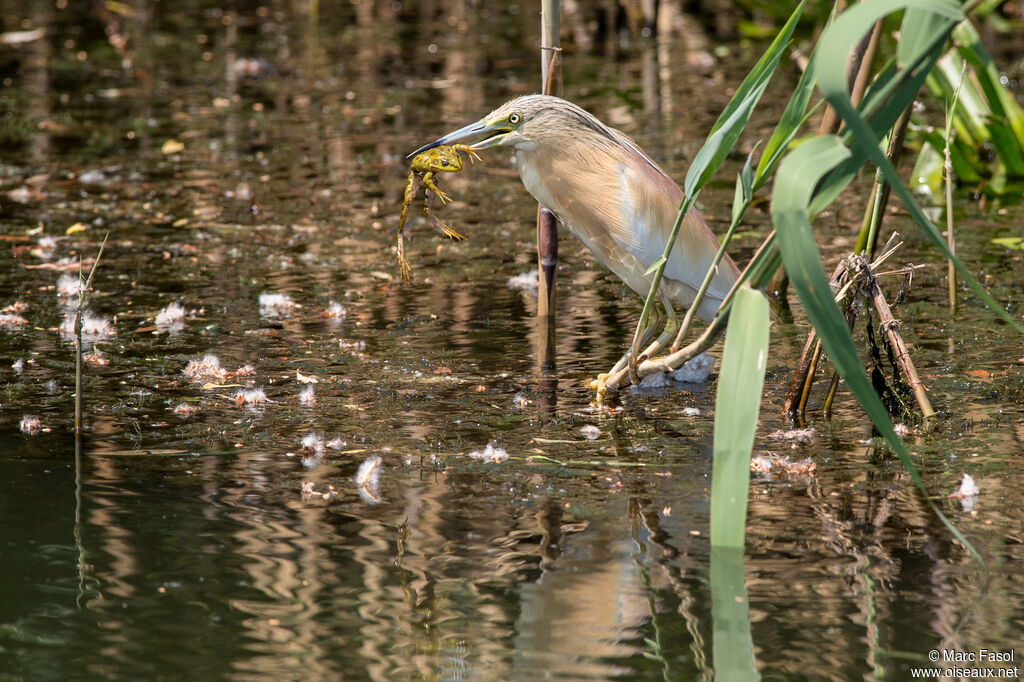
608 193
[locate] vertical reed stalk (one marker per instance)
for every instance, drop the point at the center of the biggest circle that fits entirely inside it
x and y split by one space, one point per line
83 289
547 225
947 167
950 234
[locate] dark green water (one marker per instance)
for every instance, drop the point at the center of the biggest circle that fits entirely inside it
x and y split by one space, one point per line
214 546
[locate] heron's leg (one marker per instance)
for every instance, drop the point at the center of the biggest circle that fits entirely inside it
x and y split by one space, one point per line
668 332
628 359
645 338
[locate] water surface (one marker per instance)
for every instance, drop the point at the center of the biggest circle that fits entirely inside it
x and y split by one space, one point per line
234 154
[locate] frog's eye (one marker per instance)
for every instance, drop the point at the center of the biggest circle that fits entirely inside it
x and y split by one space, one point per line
445 163
514 119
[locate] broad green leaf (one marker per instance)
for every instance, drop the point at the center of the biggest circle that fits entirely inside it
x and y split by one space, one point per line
791 196
732 644
919 26
736 406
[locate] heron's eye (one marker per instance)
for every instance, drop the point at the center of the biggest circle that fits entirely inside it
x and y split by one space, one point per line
514 119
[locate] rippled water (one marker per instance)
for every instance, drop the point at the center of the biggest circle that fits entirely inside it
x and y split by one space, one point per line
217 546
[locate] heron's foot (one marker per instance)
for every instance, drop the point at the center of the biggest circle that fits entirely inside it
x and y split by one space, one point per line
634 376
598 387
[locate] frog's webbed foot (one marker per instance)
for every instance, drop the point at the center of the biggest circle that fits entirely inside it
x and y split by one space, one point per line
404 269
444 228
428 180
444 198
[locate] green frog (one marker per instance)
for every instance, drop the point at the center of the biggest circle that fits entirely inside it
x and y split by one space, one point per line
423 168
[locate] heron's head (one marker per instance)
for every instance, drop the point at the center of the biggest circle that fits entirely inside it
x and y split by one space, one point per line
528 122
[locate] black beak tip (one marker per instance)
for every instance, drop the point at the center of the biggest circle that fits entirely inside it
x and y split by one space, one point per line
429 145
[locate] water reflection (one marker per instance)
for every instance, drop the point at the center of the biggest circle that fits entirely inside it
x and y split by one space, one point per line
204 548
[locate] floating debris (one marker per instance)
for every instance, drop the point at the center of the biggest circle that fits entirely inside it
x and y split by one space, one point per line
590 432
345 344
243 371
305 378
307 396
696 371
797 435
185 410
335 312
276 305
30 424
208 370
691 412
490 454
520 400
309 491
18 365
69 286
12 321
96 359
15 308
171 319
45 248
313 449
526 281
775 464
368 479
252 397
651 381
967 493
94 327
171 147
313 442
335 444
205 369
93 176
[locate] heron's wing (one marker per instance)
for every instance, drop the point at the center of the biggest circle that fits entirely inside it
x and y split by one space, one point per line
649 205
622 207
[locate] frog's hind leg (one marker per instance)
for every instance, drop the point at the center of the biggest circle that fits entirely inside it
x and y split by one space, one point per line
411 186
439 225
404 268
446 229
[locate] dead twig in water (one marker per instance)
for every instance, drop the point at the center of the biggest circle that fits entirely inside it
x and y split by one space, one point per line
857 274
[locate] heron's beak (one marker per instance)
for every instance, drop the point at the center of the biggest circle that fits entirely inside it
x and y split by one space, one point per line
494 132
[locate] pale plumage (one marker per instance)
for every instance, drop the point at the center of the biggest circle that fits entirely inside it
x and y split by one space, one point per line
607 192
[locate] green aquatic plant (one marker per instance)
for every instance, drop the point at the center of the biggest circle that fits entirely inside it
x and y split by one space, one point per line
808 176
